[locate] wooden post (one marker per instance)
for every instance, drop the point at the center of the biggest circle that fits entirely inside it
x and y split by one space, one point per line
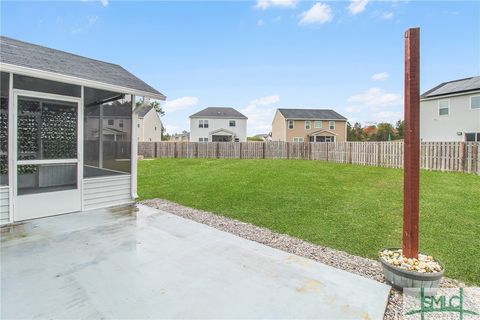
411 175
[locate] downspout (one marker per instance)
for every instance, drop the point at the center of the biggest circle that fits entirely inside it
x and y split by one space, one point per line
134 159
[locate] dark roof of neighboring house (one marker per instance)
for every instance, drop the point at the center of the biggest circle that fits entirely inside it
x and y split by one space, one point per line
144 111
37 57
312 114
455 86
218 112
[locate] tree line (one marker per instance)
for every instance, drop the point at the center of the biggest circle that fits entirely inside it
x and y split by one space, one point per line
380 132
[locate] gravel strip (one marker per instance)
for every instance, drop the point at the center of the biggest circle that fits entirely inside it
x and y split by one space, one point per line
341 260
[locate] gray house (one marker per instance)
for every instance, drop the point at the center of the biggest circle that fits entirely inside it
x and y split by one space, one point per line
451 111
218 124
68 132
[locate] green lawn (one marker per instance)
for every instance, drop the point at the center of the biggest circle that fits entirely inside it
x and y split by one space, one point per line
352 208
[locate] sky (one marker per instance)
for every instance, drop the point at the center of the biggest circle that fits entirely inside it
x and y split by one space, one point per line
257 56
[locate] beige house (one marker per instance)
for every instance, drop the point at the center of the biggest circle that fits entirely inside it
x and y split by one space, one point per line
149 125
309 125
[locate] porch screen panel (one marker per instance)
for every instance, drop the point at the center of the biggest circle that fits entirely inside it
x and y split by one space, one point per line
4 86
107 133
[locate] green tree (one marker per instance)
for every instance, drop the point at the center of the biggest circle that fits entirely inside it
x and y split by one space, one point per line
384 132
399 127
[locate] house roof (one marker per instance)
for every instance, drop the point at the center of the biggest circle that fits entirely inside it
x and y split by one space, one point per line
219 112
301 114
144 111
41 58
455 86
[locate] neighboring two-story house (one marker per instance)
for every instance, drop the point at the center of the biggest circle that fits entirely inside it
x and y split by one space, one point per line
309 125
218 124
149 125
451 111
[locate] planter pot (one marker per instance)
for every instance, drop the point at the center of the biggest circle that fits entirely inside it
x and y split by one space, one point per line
400 278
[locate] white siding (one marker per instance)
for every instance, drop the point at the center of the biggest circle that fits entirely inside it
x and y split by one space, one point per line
106 191
240 128
150 128
4 205
461 118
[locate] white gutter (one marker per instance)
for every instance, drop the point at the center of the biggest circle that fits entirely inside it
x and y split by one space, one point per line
78 81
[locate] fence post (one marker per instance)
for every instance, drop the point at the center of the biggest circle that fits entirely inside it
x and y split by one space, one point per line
264 148
379 154
326 144
217 153
240 150
462 157
288 150
350 147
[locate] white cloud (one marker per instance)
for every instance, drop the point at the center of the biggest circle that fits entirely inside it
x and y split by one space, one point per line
260 114
319 13
264 4
104 2
353 109
387 116
380 76
386 15
376 97
260 23
172 129
180 104
357 6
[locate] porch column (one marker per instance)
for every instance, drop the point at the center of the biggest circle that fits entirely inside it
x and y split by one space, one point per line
134 151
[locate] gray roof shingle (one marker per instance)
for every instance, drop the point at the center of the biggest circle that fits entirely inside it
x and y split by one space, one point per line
218 112
144 111
37 57
455 86
313 114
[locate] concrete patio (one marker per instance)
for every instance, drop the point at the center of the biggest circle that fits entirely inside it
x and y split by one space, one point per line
139 262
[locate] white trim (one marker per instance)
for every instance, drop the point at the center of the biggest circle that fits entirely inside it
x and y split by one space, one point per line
48 75
330 125
309 124
115 177
471 98
319 132
321 124
134 150
448 108
47 161
450 95
11 148
298 138
81 139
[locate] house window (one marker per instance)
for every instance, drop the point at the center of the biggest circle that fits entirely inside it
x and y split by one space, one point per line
232 123
331 125
237 140
290 124
120 123
203 123
322 139
138 125
298 139
308 125
202 139
318 124
475 102
472 137
443 107
110 122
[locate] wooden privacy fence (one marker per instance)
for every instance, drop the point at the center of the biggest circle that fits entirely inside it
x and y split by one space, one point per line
443 156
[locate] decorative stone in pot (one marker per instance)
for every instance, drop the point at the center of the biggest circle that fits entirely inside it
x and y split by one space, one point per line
402 272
